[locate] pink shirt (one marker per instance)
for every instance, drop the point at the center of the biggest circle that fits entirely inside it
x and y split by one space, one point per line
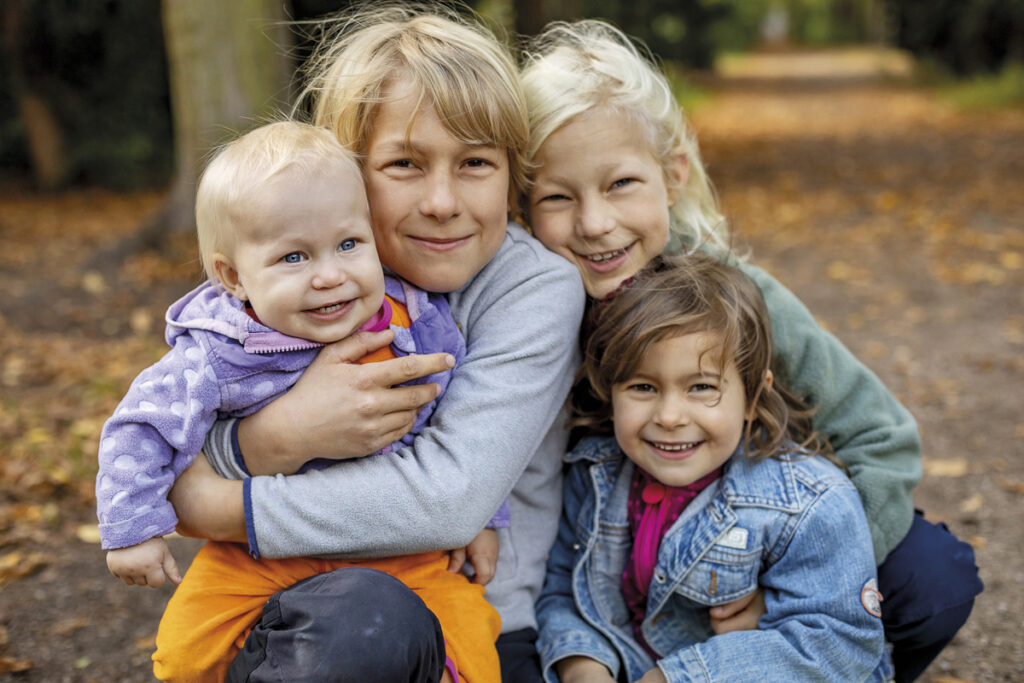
652 509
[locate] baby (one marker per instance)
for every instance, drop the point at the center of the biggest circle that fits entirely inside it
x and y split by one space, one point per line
286 241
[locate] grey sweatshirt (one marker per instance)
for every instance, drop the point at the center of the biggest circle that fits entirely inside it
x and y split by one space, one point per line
500 425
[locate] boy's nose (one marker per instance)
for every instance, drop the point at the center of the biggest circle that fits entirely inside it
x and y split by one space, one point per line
440 200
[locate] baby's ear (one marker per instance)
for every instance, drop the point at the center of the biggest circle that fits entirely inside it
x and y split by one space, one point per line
677 172
228 276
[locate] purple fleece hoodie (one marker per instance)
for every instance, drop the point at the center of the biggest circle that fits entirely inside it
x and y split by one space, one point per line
222 363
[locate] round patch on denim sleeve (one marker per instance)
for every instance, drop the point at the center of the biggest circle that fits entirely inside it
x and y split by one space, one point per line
871 598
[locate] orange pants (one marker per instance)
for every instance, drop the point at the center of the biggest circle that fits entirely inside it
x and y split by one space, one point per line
222 595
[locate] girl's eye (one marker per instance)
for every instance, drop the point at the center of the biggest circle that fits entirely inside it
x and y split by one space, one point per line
347 245
642 387
702 388
294 257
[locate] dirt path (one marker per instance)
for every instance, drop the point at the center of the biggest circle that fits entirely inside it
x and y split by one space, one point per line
893 218
899 223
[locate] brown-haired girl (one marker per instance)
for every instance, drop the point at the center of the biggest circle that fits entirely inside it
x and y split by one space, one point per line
706 484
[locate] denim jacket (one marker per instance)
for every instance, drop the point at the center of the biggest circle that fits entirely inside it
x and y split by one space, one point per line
794 525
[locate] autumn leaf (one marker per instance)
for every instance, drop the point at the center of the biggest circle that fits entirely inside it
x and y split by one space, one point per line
946 467
14 665
972 504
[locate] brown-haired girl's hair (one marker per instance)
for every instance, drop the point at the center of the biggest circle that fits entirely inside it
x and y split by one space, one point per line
687 294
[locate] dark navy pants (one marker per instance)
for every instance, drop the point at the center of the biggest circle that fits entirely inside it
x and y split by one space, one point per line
349 625
929 582
358 624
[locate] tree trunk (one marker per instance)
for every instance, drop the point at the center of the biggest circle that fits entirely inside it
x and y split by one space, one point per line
43 131
229 72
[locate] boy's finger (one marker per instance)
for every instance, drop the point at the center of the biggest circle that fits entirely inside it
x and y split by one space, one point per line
406 368
355 346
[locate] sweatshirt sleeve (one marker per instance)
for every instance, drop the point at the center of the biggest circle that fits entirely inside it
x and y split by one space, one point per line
521 317
154 434
871 432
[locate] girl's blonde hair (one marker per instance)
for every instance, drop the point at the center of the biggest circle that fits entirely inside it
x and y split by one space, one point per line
571 68
242 167
687 294
462 69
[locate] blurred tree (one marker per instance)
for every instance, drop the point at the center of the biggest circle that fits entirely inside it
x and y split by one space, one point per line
965 37
229 71
83 92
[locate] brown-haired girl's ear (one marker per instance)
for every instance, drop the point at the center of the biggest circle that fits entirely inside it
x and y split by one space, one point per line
766 385
228 276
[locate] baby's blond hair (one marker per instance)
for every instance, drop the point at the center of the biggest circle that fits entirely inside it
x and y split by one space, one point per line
243 166
461 68
571 68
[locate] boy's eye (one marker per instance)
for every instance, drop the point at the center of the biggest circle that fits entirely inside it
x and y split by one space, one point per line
347 245
293 257
553 198
402 163
622 182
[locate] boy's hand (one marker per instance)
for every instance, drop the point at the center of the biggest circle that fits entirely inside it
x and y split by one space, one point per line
483 555
149 563
742 614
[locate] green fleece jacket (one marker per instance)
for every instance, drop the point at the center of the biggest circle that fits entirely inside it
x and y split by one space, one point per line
871 432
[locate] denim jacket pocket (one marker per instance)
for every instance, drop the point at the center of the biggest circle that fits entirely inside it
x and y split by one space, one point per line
721 576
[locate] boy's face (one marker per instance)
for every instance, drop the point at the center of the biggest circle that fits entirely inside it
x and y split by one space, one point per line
304 254
680 416
439 206
599 198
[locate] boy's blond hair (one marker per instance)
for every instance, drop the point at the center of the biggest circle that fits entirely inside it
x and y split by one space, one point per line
243 166
571 68
462 69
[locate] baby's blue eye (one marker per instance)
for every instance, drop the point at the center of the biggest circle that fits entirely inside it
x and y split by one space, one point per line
347 245
294 257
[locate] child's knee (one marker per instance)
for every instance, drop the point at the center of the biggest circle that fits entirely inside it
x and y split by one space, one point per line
354 620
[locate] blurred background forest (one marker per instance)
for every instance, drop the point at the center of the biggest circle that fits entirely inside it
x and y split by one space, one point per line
868 151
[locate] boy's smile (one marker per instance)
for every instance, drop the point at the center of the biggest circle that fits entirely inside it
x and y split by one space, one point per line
439 205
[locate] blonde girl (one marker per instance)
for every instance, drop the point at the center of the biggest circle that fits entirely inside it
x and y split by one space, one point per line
710 470
431 104
617 177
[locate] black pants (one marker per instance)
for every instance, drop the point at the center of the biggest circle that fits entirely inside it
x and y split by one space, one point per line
351 625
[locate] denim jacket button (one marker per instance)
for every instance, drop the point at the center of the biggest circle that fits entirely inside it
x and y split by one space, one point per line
576 546
660 577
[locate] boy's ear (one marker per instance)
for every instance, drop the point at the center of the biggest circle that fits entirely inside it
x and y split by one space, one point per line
228 276
677 168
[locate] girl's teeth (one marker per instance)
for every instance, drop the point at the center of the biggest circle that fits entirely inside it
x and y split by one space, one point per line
674 447
606 256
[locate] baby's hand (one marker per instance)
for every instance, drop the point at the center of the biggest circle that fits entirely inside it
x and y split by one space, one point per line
483 555
147 564
655 675
742 614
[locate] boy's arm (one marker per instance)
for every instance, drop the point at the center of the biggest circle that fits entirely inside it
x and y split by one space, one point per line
817 592
564 634
520 317
151 438
871 432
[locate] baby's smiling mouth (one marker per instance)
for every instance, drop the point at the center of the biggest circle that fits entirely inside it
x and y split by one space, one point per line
330 308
